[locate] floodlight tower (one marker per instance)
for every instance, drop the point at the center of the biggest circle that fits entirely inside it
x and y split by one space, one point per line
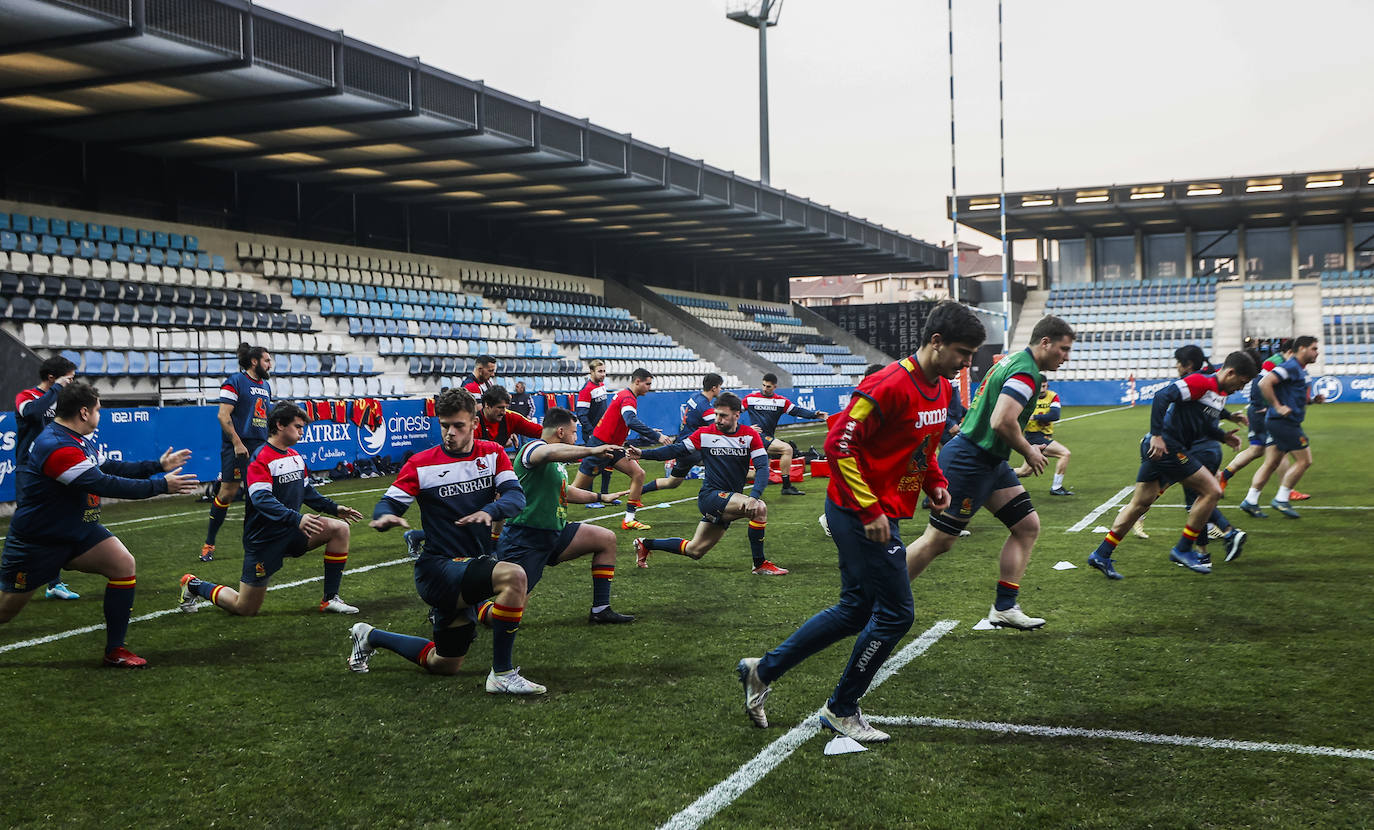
759 14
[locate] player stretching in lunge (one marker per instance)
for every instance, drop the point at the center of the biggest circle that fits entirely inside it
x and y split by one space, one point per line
727 449
274 529
1040 432
56 523
882 449
1184 413
462 486
975 461
1285 390
699 412
244 400
765 409
622 415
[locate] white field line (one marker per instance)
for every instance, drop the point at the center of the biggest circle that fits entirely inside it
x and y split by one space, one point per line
62 635
1119 735
1300 505
723 794
601 516
1088 520
1090 414
205 511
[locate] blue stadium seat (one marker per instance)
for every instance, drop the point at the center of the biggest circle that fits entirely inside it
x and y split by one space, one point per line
92 363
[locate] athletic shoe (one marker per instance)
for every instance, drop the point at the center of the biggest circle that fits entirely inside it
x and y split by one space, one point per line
362 652
189 602
610 502
511 683
1203 557
755 691
825 525
641 553
596 505
769 569
1234 544
1139 530
791 490
1014 617
965 532
1189 559
207 553
1285 508
415 542
1105 565
609 616
853 726
1296 496
635 524
1060 491
334 605
61 591
1253 510
122 658
1214 532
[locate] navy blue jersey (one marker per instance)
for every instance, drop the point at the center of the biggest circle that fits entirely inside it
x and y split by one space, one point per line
765 411
1258 402
251 399
1290 390
278 484
60 486
591 405
449 487
35 409
1187 411
697 413
726 456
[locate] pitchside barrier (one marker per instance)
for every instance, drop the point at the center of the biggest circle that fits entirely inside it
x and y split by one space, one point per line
145 432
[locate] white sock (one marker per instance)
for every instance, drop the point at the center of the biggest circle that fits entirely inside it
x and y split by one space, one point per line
597 609
1058 481
1252 496
1283 493
630 512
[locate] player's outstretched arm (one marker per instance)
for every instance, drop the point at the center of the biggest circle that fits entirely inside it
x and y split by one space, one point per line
665 452
536 454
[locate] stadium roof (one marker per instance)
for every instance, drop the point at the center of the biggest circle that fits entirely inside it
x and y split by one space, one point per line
231 85
1321 198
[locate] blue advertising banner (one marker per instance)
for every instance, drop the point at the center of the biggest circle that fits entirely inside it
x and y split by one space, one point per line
1336 388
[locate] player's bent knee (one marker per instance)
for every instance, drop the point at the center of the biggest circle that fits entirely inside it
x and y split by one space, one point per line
450 647
948 528
1017 509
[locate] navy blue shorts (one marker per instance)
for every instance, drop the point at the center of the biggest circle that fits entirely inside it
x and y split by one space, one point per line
592 466
1170 468
712 504
534 548
974 474
683 465
1207 454
261 561
1259 431
1286 435
29 564
1039 439
233 468
452 588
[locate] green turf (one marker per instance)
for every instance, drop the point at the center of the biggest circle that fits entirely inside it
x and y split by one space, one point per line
257 722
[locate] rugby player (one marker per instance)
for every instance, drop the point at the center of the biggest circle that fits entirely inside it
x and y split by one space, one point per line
34 409
244 399
621 416
1040 432
591 405
766 408
1285 390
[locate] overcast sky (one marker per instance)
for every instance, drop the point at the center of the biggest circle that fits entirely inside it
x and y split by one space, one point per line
1097 91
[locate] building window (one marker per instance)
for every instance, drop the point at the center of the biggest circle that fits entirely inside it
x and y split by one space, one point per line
1321 248
1268 254
1165 256
1070 264
1116 258
1214 254
1364 245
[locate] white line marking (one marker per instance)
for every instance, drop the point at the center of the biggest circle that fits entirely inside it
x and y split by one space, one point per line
601 516
1300 505
1090 414
1119 735
1100 509
723 794
38 641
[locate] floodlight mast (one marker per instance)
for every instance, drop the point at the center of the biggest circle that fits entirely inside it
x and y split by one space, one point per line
759 14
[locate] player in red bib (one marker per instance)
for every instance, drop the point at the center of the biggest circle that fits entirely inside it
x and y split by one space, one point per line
480 379
622 415
882 451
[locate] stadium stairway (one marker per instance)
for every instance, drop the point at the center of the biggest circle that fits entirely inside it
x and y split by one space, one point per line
1031 312
1307 314
1228 329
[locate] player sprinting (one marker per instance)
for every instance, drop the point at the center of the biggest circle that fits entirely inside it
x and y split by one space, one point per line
700 412
1187 360
1259 431
1285 390
480 379
34 409
591 405
541 535
621 416
975 462
727 449
1183 413
275 529
244 399
766 408
1040 432
883 453
462 486
56 522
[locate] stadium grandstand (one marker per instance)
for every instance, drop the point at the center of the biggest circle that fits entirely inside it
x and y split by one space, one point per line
1142 269
194 174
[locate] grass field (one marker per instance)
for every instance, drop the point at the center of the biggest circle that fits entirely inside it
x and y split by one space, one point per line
257 722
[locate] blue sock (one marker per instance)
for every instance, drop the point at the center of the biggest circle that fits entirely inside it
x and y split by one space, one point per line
605 482
1006 595
414 649
1107 547
217 513
119 603
200 587
756 542
1220 521
675 544
601 584
505 621
1185 542
334 563
649 486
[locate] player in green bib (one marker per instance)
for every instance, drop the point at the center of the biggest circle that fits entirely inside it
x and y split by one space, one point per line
975 462
541 535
